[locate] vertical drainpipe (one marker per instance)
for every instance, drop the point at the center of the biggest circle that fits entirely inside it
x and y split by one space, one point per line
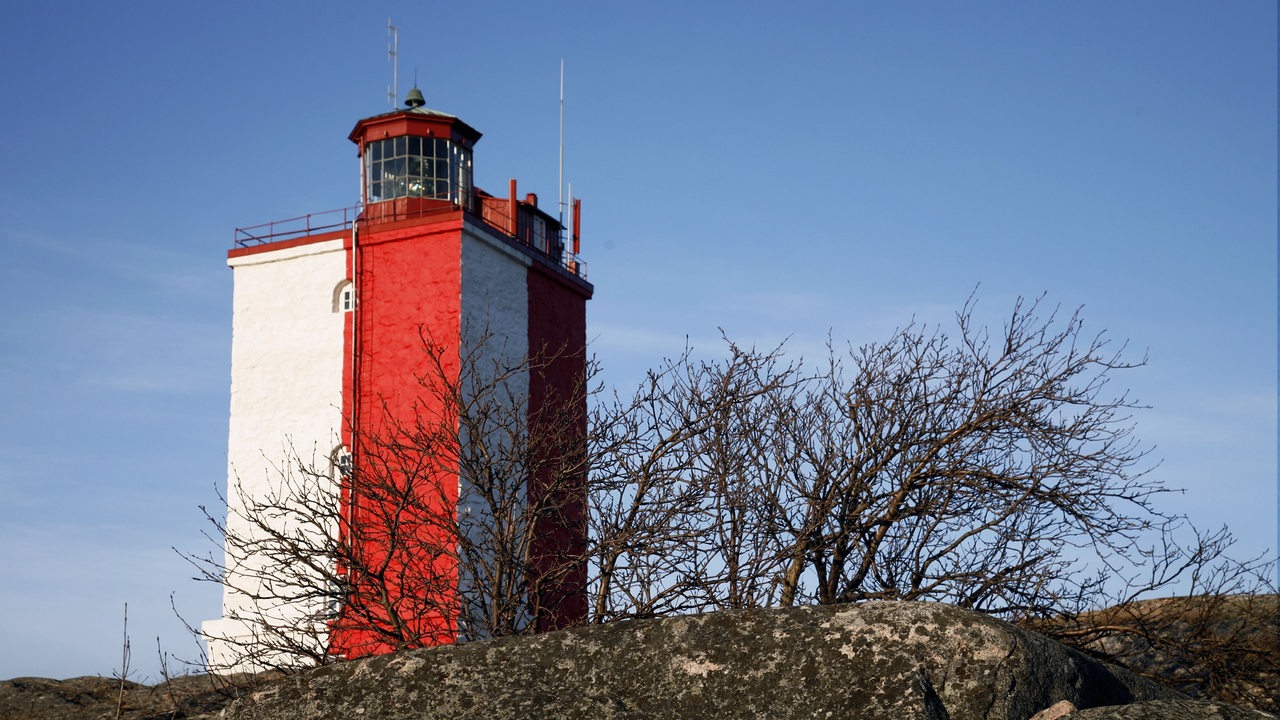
356 294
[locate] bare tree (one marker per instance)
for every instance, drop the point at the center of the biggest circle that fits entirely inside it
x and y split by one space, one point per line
990 468
455 523
994 469
674 494
966 470
1216 639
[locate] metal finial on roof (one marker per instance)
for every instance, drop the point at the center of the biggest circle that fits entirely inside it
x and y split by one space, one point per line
414 99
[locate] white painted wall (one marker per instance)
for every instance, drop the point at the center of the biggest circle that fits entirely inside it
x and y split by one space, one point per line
495 305
495 294
286 397
286 400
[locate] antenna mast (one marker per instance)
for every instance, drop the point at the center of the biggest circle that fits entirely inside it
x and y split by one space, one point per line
393 55
560 177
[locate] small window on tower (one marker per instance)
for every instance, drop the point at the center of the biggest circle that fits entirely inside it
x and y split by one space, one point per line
540 234
340 462
344 297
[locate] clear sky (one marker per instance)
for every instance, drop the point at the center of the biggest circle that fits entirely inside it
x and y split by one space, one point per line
775 169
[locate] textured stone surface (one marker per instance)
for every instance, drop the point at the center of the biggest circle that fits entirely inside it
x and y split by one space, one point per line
191 697
875 660
1055 711
1220 647
1171 710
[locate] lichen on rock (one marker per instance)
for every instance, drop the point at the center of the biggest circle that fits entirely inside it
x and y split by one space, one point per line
873 660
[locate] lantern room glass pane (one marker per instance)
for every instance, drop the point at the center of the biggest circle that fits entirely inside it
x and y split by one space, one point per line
417 167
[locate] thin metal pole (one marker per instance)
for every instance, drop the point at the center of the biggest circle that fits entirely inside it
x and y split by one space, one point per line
393 54
560 178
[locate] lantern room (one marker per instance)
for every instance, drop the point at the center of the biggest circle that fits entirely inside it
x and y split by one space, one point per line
414 160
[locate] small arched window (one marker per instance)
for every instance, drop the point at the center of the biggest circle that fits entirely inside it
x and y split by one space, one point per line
344 297
340 462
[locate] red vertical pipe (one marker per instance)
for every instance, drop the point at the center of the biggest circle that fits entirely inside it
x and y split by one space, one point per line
511 209
577 226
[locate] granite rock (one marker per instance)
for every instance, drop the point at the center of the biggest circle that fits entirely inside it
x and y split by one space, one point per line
874 660
1171 710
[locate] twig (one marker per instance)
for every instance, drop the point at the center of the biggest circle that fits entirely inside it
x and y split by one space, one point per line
124 663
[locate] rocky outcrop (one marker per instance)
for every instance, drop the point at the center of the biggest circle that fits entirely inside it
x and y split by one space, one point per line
190 697
1220 647
42 699
1171 710
868 661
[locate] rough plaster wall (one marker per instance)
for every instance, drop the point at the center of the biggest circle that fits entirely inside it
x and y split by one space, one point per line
495 318
410 293
558 333
286 388
495 298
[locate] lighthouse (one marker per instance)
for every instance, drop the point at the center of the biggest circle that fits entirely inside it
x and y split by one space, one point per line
407 421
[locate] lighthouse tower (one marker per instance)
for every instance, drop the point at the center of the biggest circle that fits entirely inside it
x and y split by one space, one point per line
407 418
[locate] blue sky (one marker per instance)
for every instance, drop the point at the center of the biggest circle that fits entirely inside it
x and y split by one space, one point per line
773 170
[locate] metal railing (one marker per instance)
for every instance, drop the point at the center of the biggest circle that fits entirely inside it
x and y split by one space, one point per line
344 218
301 226
570 262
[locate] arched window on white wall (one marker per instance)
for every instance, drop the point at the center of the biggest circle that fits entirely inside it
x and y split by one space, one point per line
340 462
344 297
